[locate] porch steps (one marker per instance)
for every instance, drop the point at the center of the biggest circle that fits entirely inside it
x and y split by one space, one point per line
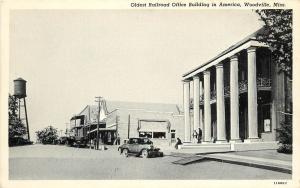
264 145
204 148
226 147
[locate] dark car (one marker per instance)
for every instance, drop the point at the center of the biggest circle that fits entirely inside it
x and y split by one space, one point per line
140 147
77 141
62 140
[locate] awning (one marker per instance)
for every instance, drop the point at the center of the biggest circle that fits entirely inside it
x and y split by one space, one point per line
111 128
153 126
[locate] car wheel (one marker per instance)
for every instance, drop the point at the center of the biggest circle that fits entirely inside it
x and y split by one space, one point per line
125 152
144 154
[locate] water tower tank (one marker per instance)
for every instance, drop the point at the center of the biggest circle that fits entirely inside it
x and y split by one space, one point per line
20 88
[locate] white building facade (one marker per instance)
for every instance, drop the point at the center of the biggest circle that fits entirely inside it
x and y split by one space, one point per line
236 96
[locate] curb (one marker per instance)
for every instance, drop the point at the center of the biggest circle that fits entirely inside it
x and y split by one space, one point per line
250 163
253 164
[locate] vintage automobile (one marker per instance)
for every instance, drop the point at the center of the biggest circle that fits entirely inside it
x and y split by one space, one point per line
62 140
140 147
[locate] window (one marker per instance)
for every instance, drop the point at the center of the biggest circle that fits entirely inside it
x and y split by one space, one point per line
133 141
145 141
161 135
173 132
145 134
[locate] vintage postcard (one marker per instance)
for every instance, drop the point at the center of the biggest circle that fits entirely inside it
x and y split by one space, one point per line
204 92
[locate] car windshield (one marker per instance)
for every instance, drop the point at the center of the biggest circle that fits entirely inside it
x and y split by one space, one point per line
133 141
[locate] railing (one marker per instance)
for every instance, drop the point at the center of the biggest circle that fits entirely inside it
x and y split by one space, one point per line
213 95
263 82
243 87
227 91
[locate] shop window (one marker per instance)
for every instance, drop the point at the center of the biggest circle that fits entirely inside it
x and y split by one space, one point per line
161 135
145 134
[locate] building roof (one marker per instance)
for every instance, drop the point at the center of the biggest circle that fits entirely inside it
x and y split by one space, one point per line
253 36
20 79
157 107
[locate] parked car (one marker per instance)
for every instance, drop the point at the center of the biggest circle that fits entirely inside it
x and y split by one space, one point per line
77 141
140 147
62 140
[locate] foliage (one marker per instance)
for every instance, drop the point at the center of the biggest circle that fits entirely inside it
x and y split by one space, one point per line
278 23
16 128
285 136
47 135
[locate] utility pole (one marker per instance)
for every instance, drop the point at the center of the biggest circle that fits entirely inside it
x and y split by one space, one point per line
128 133
98 99
66 129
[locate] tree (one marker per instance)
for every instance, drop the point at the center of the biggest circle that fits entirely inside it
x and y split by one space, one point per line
47 135
278 23
15 126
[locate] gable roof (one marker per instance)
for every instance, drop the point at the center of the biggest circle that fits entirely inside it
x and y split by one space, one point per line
253 36
157 107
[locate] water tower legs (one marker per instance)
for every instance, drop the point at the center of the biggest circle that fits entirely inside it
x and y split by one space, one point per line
28 134
26 117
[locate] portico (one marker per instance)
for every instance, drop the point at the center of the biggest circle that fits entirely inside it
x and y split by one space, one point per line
233 95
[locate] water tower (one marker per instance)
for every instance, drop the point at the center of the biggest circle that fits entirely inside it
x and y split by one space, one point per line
20 94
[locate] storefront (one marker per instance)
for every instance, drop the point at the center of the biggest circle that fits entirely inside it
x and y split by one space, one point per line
162 123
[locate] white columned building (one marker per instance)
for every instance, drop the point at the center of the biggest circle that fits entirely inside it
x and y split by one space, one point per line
241 105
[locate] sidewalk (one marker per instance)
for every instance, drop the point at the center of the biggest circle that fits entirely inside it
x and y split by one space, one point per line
265 159
259 162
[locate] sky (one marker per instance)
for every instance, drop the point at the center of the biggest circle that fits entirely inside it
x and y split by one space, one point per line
68 57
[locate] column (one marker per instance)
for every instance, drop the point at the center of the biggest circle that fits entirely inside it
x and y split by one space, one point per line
207 109
221 130
201 110
196 104
252 95
186 105
234 100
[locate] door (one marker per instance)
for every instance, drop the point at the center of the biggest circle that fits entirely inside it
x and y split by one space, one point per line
173 136
133 148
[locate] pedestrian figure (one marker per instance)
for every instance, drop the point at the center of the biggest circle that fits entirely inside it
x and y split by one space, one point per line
178 143
95 143
195 136
199 135
118 139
